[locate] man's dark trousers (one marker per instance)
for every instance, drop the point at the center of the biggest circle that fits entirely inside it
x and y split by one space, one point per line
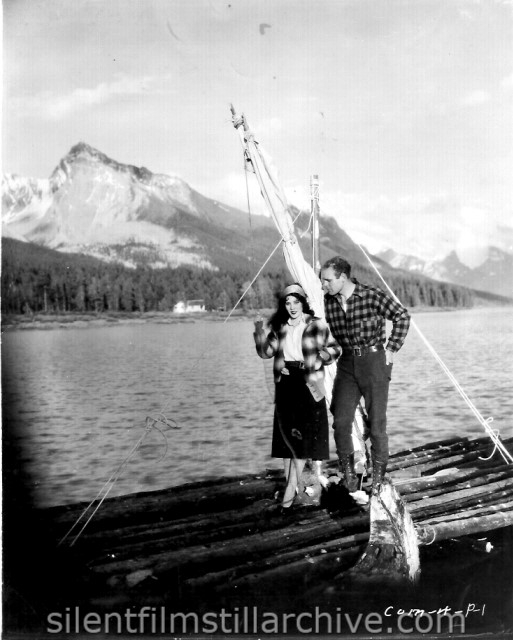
368 376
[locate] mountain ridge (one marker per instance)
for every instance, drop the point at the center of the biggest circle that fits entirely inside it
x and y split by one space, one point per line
494 274
95 205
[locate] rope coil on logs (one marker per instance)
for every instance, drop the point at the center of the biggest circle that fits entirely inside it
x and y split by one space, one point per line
150 425
422 530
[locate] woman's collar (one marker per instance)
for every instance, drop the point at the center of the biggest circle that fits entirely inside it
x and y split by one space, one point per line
302 320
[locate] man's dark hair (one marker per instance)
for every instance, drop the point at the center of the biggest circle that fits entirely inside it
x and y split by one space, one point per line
339 266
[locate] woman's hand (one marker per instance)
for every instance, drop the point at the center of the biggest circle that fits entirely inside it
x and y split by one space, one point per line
259 323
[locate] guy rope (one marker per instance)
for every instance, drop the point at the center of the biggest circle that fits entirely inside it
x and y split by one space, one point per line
277 204
485 423
303 273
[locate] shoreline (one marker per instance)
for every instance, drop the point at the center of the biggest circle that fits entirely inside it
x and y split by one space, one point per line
112 319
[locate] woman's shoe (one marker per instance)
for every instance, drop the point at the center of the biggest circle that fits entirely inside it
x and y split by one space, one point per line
277 510
286 511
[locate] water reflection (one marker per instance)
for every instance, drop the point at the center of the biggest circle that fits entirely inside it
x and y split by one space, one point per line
76 400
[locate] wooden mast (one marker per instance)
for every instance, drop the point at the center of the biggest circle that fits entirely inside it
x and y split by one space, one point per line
314 194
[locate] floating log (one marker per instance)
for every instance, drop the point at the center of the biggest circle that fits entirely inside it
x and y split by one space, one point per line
469 503
176 503
293 577
229 551
220 538
459 496
476 485
329 553
446 457
478 510
432 445
406 459
432 484
438 448
204 529
468 460
467 526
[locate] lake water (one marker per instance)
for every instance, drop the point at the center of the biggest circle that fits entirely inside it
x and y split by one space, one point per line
76 399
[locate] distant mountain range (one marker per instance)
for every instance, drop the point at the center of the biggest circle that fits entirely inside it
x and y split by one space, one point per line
495 274
96 206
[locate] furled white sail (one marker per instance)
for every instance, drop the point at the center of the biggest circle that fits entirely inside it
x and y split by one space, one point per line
299 268
278 207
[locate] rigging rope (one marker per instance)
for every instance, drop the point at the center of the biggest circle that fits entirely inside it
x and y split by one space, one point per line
257 274
485 423
245 161
150 423
279 209
108 485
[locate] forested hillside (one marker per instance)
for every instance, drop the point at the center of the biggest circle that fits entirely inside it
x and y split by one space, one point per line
35 279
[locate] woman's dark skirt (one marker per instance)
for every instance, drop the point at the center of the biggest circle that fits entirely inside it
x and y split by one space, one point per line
300 427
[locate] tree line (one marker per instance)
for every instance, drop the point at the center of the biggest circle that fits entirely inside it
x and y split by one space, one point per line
38 280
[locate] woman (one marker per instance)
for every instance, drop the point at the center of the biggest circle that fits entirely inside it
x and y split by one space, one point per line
301 345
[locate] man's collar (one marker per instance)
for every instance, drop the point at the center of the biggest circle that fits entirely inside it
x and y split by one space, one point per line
357 288
354 291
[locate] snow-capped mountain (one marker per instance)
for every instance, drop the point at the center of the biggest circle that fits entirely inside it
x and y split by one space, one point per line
24 203
450 269
495 274
94 205
97 206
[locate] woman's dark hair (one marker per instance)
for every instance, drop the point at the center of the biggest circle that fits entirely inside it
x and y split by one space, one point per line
281 315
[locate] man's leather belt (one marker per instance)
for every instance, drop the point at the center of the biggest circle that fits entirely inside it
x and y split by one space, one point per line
294 364
361 351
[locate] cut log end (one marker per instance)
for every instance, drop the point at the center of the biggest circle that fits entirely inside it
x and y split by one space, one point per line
392 554
383 562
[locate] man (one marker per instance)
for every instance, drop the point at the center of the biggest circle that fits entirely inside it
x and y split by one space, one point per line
356 315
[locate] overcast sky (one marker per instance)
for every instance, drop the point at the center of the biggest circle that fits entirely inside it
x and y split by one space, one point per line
403 107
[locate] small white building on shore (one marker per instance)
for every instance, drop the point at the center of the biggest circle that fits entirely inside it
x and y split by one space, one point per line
189 306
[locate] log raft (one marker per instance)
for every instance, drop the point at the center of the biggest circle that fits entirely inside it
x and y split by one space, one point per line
215 539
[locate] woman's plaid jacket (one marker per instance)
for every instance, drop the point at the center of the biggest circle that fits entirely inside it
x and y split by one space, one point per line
318 345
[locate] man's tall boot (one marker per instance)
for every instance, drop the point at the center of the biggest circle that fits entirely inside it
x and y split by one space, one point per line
378 473
347 469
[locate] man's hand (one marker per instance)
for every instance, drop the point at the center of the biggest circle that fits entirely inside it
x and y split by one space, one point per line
322 358
389 356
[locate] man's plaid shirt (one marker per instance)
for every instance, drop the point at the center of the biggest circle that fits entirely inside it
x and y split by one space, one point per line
318 346
363 324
